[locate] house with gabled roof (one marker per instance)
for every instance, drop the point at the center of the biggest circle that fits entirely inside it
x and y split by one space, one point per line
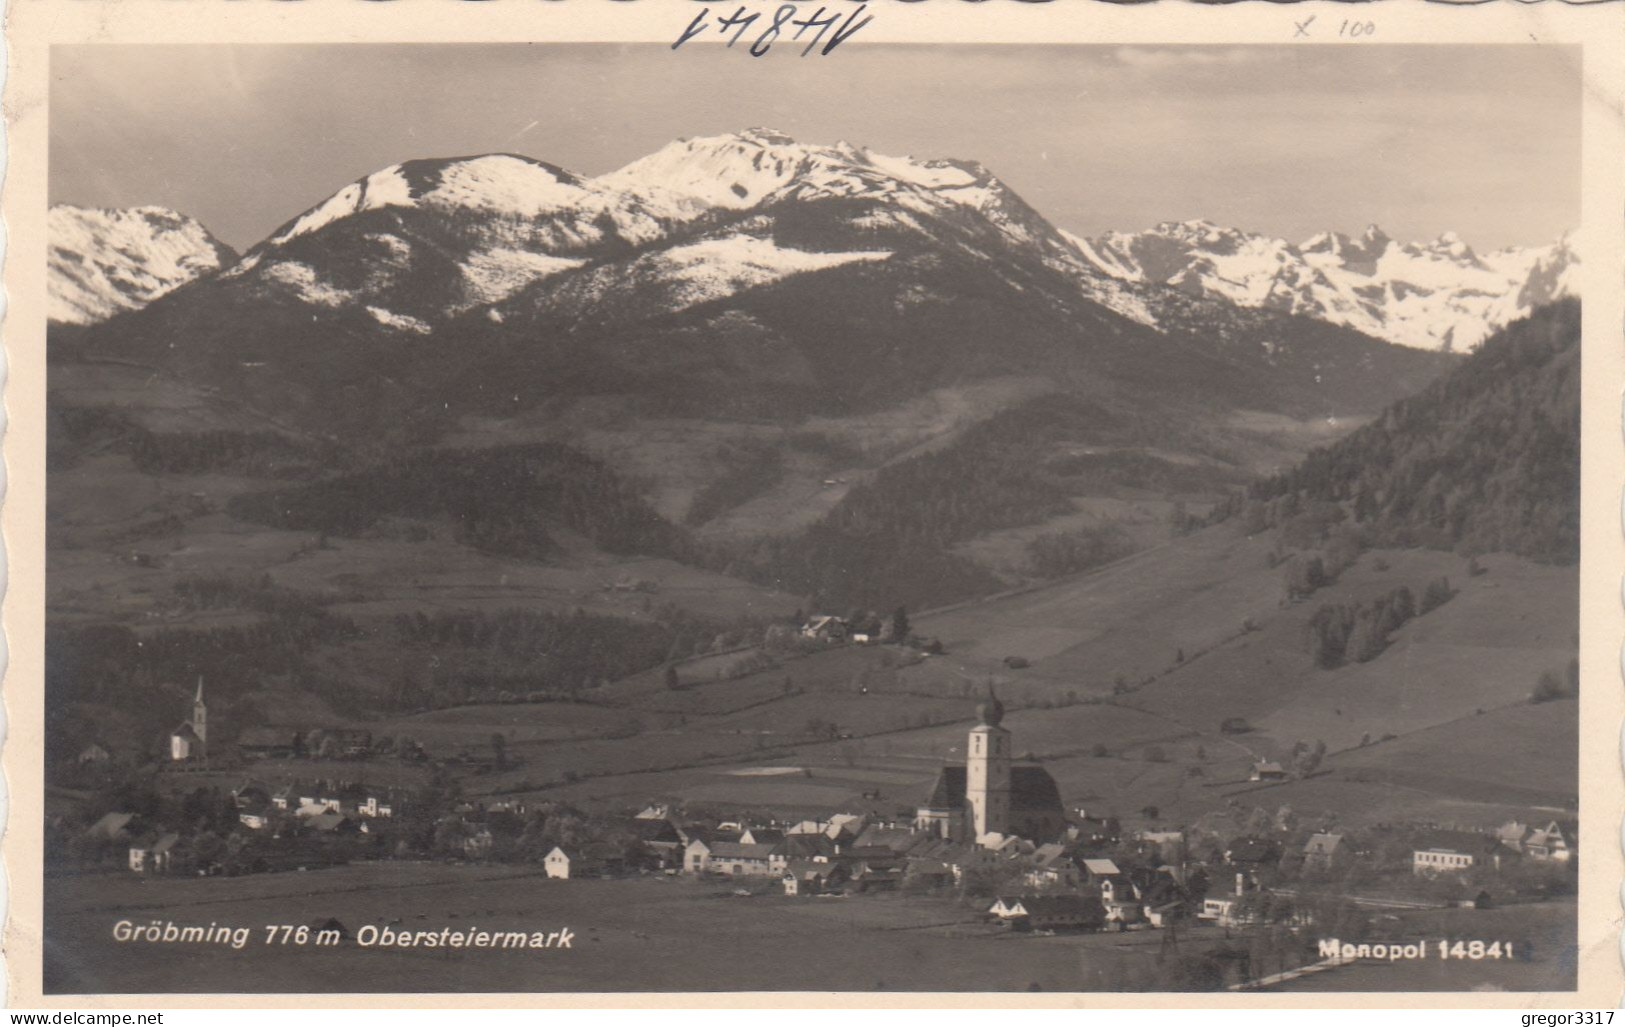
825 628
1548 844
1049 912
154 854
736 859
1321 850
804 877
1051 867
113 826
1267 770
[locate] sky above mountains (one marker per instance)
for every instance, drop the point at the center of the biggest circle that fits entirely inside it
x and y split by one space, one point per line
1287 140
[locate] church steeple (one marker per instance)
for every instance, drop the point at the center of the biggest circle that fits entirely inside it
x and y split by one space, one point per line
987 769
200 715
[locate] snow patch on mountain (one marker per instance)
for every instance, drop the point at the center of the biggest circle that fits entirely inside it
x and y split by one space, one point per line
103 262
401 322
494 275
714 268
302 280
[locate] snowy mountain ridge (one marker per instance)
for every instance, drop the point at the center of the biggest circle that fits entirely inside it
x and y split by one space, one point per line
1439 295
102 262
703 218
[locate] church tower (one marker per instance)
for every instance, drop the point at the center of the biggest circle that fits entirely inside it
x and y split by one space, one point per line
987 770
200 716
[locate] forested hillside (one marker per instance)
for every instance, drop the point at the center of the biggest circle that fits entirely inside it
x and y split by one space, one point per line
502 500
1487 458
888 541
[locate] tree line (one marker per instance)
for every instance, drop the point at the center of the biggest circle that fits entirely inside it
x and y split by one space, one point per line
1487 458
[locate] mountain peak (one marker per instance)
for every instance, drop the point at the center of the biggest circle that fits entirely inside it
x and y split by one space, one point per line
104 261
766 136
500 183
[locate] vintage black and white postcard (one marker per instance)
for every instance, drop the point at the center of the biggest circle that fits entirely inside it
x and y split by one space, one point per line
514 502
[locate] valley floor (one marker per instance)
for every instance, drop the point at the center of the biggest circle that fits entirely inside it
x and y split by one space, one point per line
658 934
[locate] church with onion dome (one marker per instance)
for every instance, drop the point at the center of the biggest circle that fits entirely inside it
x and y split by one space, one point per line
990 795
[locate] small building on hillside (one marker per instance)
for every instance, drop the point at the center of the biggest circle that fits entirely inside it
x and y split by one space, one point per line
1321 850
825 628
1268 770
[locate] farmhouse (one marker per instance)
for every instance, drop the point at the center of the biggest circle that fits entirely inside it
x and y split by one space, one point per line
1052 868
154 855
825 628
987 798
1047 912
661 838
1120 899
1546 844
1320 850
738 859
1268 770
1549 844
804 877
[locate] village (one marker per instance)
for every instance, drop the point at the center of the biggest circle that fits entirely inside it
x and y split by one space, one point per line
994 834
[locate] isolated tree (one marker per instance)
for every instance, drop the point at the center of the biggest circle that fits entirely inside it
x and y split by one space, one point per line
499 749
673 682
899 625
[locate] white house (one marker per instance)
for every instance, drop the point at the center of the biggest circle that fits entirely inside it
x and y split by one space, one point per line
154 856
557 864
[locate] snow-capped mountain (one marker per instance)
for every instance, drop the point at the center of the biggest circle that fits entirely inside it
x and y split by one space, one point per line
746 269
439 237
103 262
1437 295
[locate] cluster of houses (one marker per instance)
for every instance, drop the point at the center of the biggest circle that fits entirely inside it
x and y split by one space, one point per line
327 806
314 809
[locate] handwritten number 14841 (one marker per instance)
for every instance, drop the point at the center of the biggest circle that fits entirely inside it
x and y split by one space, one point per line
782 24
